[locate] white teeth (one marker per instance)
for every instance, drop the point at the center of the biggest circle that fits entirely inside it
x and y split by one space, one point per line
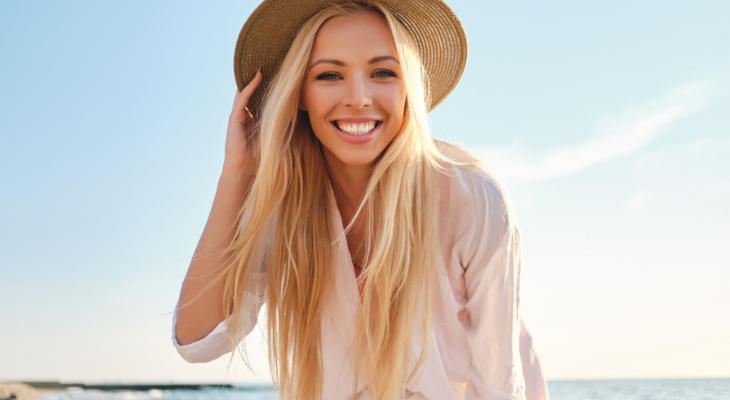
356 129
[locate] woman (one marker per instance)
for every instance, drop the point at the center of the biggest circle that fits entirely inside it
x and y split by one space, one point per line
389 262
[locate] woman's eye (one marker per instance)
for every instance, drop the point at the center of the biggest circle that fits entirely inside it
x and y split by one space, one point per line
384 73
327 76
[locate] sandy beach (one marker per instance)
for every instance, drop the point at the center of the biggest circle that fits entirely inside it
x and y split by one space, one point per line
20 390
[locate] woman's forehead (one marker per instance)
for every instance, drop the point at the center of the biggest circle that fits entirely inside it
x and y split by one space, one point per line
367 35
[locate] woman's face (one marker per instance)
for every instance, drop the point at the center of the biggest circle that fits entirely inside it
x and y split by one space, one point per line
353 89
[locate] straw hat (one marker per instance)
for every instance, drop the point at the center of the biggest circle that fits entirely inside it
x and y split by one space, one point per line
270 30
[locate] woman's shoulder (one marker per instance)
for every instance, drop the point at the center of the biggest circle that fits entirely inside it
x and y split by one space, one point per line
468 186
476 213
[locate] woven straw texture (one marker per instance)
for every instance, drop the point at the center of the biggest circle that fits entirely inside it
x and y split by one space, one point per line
270 30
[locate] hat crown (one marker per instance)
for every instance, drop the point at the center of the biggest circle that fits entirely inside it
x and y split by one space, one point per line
271 29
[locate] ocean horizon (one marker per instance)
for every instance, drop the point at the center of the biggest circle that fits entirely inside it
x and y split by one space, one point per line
596 389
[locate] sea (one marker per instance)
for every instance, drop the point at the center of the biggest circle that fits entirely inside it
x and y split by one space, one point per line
634 389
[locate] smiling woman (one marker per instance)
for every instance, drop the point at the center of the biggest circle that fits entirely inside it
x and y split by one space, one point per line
389 262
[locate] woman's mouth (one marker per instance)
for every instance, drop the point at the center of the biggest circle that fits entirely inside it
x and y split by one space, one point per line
356 128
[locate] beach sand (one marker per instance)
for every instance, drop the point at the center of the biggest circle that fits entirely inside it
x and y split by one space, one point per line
20 390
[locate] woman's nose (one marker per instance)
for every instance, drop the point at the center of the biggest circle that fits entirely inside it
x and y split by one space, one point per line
357 93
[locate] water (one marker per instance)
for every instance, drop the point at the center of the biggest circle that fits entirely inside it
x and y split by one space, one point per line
644 389
641 389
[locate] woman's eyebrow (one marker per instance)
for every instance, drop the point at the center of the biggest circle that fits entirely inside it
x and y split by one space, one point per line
328 61
382 58
342 63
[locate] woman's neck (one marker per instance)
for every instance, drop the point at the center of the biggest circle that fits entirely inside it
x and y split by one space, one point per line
349 183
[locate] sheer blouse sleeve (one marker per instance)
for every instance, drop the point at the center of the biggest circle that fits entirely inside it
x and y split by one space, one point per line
218 341
490 258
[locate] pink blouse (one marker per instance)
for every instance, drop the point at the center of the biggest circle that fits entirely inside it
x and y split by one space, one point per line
480 348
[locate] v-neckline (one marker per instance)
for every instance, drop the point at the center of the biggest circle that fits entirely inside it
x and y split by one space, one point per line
341 247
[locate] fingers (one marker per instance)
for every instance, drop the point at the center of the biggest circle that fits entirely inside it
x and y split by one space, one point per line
245 94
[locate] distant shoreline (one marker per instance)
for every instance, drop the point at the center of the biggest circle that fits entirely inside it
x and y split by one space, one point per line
30 390
55 385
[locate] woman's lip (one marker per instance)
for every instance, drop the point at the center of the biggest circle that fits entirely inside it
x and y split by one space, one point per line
353 138
355 120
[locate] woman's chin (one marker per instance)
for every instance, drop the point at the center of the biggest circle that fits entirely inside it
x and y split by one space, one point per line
351 160
359 162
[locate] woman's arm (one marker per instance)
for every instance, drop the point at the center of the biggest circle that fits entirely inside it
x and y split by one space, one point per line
490 251
201 303
535 383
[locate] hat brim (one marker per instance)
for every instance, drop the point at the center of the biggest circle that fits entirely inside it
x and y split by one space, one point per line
270 30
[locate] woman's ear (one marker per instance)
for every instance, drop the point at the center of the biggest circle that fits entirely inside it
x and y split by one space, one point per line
302 106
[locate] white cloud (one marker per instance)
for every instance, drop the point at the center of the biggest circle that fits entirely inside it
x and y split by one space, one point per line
641 199
713 191
613 138
693 196
682 152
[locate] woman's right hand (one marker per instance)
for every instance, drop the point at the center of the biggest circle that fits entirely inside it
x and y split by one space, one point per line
240 155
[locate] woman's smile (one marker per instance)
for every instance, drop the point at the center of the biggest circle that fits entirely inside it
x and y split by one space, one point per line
355 128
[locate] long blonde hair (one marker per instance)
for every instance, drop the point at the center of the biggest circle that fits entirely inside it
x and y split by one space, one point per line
285 230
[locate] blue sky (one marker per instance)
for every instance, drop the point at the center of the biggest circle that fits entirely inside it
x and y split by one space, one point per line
609 124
